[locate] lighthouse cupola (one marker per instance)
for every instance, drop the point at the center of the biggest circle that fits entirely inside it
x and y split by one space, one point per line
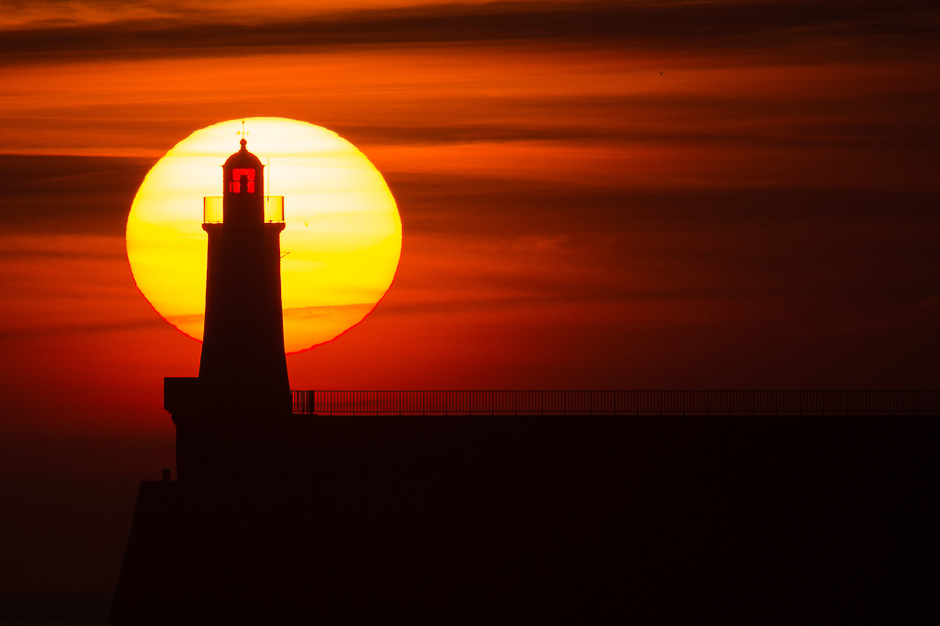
243 188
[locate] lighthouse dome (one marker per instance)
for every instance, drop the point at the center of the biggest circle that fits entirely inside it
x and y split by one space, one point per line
243 158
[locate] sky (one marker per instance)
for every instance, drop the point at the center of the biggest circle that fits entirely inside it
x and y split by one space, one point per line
601 195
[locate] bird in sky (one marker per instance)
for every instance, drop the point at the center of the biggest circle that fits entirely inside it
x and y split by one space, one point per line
661 73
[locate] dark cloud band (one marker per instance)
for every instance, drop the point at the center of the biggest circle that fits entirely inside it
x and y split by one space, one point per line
734 23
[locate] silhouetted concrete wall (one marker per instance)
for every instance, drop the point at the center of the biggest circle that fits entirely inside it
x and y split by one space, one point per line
469 519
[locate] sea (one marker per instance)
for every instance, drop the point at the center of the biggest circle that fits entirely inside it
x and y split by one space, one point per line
54 609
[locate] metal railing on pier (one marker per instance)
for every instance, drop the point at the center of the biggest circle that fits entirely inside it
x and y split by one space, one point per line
620 402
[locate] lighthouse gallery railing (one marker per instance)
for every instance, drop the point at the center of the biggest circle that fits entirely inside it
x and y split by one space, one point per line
212 209
620 402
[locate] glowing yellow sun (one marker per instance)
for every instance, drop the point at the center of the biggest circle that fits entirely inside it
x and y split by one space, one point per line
340 247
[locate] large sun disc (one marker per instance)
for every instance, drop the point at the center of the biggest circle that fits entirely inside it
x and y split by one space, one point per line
340 247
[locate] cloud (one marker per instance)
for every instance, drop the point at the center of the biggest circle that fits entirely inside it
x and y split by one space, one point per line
64 194
678 25
59 255
480 207
476 244
59 329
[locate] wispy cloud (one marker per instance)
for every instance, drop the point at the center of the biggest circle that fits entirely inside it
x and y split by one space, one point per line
55 195
64 329
678 25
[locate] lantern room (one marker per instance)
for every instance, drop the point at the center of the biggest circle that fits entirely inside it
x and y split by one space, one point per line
243 187
243 200
243 179
243 173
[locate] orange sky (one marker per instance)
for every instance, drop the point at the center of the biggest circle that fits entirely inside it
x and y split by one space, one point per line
555 191
762 214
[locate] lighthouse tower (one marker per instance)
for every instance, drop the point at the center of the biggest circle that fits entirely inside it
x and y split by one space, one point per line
243 362
242 385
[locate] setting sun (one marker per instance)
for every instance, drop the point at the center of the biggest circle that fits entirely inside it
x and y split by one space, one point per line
340 247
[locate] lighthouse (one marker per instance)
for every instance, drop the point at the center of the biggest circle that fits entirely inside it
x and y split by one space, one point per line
243 384
243 361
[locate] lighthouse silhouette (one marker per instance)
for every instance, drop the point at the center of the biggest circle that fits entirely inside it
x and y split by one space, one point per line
243 382
243 343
